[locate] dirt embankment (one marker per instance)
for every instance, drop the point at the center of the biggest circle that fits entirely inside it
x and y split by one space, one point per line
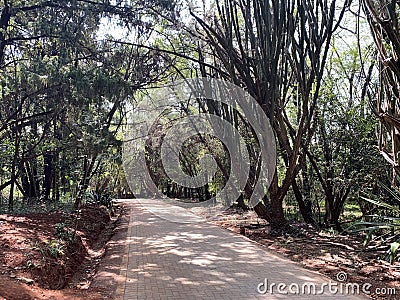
53 255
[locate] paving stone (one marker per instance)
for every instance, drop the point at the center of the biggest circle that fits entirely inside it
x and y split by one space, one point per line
169 260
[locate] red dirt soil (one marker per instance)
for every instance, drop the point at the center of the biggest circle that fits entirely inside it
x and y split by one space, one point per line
36 264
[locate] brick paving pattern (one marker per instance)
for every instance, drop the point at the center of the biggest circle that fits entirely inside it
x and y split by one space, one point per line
169 260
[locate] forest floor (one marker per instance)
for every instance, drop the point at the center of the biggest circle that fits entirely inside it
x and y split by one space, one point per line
329 254
41 259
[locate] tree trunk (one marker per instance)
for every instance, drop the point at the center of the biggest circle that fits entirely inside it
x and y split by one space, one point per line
271 209
241 203
4 22
304 206
13 170
48 174
262 211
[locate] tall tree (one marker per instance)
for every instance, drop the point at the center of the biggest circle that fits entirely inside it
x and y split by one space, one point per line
62 90
277 51
383 18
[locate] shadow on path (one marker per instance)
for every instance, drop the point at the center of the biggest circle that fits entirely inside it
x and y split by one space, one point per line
169 260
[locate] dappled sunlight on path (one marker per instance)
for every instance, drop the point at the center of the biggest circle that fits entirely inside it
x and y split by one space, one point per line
168 260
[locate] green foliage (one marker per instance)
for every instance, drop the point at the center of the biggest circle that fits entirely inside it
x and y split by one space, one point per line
63 91
104 197
392 253
53 248
65 233
343 158
22 206
383 228
66 236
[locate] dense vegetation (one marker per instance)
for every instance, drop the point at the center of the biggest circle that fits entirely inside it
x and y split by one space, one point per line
326 73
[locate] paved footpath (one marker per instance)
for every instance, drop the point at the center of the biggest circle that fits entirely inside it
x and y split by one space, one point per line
198 260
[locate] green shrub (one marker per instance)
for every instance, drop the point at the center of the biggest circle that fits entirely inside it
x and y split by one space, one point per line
382 231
